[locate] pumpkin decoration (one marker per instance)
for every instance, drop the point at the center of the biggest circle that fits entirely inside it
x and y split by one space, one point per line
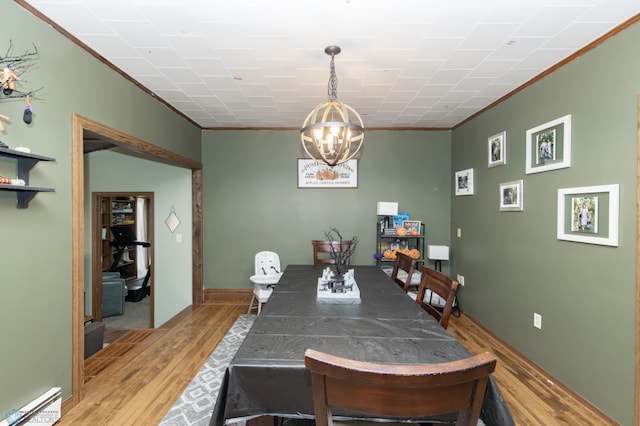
401 232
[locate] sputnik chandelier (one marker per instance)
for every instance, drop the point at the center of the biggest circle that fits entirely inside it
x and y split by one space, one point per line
333 132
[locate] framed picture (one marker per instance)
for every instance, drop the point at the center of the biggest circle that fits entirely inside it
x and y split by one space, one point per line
549 146
497 148
412 226
512 196
464 182
316 174
589 214
399 244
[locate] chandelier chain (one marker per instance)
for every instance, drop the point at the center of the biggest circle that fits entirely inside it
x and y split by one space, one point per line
332 86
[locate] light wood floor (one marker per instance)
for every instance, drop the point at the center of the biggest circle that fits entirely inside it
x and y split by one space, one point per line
139 380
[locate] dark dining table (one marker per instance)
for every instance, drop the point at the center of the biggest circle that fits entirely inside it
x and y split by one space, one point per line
267 376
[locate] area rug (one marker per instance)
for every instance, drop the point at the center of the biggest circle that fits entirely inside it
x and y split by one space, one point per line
195 405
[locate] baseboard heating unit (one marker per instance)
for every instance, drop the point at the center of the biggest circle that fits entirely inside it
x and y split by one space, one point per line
44 410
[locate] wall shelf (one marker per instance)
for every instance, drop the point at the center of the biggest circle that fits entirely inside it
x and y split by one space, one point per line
25 161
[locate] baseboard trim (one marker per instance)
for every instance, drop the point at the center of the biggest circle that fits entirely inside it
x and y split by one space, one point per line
233 296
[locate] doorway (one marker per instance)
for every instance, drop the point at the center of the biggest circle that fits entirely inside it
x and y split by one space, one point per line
84 134
132 263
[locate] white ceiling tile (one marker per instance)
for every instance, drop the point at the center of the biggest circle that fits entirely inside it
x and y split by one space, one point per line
111 46
576 37
549 21
435 89
139 34
465 59
488 34
207 66
181 75
408 83
194 89
190 46
517 48
162 57
543 59
139 67
419 68
448 76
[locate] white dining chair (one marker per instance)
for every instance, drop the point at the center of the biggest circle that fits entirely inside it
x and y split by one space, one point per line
266 275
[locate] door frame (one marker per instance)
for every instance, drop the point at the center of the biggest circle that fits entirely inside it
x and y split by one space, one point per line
145 150
637 364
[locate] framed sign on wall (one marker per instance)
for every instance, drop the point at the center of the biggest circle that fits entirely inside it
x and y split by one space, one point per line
316 174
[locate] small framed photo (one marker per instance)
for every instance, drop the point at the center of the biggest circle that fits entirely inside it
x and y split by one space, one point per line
464 182
512 196
589 214
497 148
549 146
399 244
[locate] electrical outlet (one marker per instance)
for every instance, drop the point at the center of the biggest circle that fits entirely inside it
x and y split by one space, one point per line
537 320
459 232
460 279
178 238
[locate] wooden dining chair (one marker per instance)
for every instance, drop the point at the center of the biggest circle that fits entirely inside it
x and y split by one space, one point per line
403 265
432 284
398 391
323 251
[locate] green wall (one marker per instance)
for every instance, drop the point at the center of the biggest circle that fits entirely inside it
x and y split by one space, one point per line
512 262
35 268
252 203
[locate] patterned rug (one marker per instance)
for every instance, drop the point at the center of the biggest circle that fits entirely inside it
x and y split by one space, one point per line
195 405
